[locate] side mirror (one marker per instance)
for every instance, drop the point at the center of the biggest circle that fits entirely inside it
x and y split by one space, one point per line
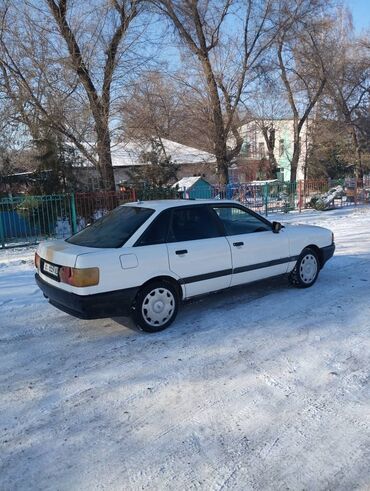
276 227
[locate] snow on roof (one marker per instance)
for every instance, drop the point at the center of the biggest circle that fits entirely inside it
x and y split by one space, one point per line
129 154
186 182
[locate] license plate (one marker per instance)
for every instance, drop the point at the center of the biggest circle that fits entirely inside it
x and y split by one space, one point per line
51 269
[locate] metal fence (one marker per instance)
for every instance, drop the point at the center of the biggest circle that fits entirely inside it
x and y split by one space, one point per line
263 198
29 219
88 207
267 197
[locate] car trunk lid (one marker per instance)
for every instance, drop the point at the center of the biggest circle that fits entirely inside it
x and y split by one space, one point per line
62 253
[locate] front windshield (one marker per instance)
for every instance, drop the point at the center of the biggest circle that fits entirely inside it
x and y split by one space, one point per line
113 229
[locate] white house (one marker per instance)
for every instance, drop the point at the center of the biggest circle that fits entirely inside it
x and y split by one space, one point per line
191 161
255 148
125 156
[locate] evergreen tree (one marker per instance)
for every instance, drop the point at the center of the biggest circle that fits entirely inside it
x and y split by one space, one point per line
157 168
55 161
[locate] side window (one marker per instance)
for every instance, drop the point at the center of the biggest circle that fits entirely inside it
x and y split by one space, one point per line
238 221
156 233
193 223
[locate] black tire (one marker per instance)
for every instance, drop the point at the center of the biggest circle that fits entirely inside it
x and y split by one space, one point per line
306 270
156 306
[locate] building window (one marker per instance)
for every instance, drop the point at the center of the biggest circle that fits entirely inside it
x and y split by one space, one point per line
94 184
261 150
247 150
281 148
233 174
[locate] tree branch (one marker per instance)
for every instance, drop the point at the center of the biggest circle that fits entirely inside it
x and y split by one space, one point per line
59 12
111 52
285 80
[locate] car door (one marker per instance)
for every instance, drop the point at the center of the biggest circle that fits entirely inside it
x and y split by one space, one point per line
150 251
198 252
256 251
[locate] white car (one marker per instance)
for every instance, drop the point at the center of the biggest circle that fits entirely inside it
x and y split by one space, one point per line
144 258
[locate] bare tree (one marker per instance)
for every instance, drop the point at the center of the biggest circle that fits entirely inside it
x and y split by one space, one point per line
302 60
348 88
78 61
162 105
152 110
227 39
330 151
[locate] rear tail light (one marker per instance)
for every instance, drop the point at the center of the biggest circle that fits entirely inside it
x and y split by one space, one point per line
37 261
79 276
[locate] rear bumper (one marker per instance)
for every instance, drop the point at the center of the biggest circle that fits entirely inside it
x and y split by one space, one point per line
327 252
97 306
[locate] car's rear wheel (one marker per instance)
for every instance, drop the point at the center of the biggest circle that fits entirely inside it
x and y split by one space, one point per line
306 270
156 306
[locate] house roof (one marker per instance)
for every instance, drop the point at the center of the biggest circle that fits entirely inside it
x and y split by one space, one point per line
24 177
129 154
187 182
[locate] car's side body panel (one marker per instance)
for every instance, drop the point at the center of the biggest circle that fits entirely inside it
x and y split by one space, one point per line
204 267
301 236
260 255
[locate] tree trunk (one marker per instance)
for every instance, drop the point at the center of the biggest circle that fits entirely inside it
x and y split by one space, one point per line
105 159
294 162
358 168
220 141
272 164
99 105
218 123
269 136
296 150
222 169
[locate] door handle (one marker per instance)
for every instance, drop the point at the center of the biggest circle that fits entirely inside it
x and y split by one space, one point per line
181 252
238 244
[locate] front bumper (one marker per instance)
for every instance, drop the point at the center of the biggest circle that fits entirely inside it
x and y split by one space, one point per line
326 253
96 306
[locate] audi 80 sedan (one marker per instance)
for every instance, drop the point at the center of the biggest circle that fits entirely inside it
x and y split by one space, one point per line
143 259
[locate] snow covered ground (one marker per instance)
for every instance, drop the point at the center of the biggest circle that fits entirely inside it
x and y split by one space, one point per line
264 387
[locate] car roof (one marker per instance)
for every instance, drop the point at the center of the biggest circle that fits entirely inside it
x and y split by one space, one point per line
164 204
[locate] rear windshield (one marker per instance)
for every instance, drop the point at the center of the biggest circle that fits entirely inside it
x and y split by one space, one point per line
113 229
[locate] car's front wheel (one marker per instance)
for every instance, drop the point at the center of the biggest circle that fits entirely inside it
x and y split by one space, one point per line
306 270
156 306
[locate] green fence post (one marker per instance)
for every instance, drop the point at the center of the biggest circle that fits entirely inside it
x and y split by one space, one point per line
73 214
266 196
2 234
